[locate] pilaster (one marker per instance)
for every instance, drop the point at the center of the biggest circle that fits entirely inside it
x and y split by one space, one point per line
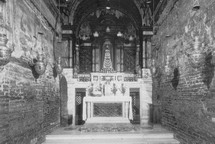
68 73
145 97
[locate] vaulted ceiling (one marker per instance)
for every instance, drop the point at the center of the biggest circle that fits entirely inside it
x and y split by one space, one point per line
125 6
79 9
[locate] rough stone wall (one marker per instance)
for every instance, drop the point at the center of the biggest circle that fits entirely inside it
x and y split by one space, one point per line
186 94
29 105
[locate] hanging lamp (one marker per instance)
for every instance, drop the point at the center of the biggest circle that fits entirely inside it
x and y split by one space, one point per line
107 29
96 34
119 34
196 5
108 5
40 64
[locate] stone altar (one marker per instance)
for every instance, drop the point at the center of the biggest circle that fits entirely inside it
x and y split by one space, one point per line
105 100
112 114
144 83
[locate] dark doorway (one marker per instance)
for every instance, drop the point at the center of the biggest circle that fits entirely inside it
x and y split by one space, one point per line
79 95
135 95
64 118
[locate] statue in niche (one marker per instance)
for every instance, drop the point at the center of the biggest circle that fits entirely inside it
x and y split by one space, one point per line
146 15
107 58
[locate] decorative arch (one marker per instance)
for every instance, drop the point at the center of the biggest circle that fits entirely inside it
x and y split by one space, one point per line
76 3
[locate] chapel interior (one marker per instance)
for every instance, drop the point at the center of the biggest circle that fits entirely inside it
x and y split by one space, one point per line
107 71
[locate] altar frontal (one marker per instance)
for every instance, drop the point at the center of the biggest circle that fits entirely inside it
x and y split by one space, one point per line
106 100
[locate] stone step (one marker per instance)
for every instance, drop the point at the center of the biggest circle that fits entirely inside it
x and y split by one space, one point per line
137 135
111 120
134 141
112 138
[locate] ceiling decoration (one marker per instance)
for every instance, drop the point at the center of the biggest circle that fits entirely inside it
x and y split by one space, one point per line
142 13
127 7
85 31
77 10
103 22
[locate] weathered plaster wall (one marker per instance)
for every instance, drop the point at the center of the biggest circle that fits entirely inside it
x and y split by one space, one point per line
29 105
187 95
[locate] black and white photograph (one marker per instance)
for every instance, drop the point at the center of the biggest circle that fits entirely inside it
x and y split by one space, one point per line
107 71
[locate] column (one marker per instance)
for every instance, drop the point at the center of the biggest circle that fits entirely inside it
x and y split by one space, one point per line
149 53
68 73
70 53
145 101
126 109
143 54
94 58
146 54
76 68
123 110
88 110
121 59
138 67
91 109
98 58
118 58
137 55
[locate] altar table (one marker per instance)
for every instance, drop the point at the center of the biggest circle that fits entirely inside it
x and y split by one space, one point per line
121 110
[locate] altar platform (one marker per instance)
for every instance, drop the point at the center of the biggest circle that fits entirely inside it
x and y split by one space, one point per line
107 109
110 134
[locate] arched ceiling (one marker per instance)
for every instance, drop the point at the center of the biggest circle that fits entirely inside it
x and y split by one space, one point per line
127 7
77 11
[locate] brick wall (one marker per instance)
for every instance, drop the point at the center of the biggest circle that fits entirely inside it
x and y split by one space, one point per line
29 105
186 95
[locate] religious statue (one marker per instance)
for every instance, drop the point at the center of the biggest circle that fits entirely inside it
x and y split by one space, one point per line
107 63
98 90
107 88
90 90
146 15
94 90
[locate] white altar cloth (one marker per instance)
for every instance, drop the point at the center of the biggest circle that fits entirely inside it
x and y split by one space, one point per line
89 101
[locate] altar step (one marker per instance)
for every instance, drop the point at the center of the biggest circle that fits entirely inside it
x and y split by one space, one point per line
107 120
147 136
